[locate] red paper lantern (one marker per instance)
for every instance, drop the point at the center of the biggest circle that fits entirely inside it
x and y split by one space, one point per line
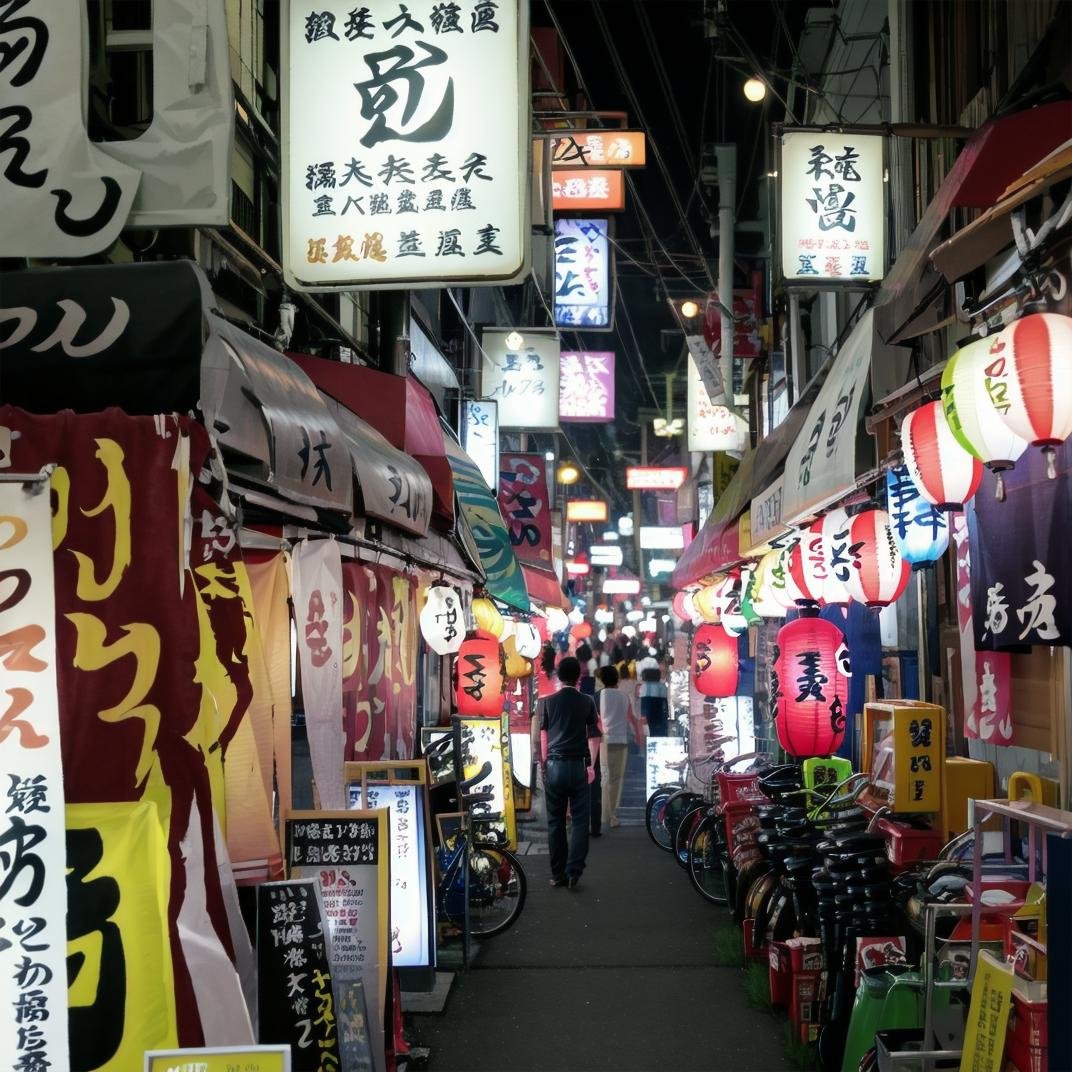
1027 380
945 473
714 661
581 631
678 607
798 565
479 676
877 573
810 687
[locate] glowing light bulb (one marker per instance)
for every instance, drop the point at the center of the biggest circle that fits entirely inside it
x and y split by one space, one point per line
755 89
689 309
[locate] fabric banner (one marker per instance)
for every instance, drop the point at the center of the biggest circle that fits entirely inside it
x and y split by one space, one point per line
379 662
525 503
135 719
1021 573
318 609
986 677
33 894
121 989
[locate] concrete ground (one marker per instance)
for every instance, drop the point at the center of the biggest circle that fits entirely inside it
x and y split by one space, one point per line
617 975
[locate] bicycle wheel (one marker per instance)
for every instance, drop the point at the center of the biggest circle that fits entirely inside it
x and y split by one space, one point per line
689 821
655 812
676 807
706 865
497 890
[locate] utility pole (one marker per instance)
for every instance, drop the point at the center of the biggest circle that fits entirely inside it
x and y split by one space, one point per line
726 165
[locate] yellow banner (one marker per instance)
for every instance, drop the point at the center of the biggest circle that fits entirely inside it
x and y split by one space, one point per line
121 986
988 1016
221 1059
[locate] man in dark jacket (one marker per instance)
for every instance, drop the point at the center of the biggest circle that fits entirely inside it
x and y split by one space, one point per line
569 743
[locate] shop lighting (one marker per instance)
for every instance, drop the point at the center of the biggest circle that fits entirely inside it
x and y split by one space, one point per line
610 536
661 565
667 429
629 630
621 586
515 340
655 478
577 569
625 525
586 510
549 456
690 309
634 616
659 538
568 473
648 625
604 555
755 89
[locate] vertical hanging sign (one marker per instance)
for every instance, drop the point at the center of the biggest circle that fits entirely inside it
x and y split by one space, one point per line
405 143
583 268
586 386
526 507
833 207
480 437
33 893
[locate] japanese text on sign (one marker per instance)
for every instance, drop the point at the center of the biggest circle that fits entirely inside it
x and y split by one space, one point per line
582 273
520 371
586 386
833 206
415 171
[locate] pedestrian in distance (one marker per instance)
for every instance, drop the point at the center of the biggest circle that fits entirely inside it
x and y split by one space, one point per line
654 700
569 744
617 720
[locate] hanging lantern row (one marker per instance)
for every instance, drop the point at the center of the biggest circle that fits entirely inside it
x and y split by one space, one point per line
809 687
920 530
876 574
945 473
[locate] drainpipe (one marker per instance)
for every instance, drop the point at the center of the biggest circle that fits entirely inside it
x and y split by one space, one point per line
726 165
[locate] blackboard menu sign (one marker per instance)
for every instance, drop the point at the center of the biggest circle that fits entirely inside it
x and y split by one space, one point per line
347 854
295 999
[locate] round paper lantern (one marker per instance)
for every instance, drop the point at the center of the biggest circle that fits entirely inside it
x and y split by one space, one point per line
441 619
542 629
877 573
516 665
972 418
479 676
800 579
1027 380
763 599
945 473
920 530
810 687
777 578
836 525
581 631
677 606
714 661
486 617
709 600
527 640
557 622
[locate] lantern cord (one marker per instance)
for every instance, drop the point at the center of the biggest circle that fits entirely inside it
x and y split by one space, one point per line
1051 462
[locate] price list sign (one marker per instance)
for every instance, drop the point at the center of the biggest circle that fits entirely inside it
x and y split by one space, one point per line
346 853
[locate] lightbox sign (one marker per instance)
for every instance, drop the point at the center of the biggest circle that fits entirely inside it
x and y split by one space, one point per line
655 478
599 149
711 426
480 437
519 371
586 510
582 274
586 386
621 586
662 537
602 554
401 166
833 207
585 189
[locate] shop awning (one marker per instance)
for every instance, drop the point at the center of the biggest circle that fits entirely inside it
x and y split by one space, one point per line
768 474
270 419
832 450
393 486
480 512
985 237
543 587
399 408
717 544
913 297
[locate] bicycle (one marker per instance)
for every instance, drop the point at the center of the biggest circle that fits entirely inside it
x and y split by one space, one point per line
482 888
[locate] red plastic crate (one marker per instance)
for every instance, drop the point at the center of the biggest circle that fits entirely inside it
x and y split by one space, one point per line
733 788
1029 1021
1026 1058
780 975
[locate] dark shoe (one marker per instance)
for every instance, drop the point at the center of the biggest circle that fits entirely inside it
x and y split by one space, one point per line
556 882
595 833
573 881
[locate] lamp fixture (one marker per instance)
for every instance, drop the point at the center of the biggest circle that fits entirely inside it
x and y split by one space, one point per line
755 89
515 340
568 473
690 309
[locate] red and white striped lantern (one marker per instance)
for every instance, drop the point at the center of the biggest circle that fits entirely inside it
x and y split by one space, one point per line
807 565
945 473
834 537
1027 379
877 573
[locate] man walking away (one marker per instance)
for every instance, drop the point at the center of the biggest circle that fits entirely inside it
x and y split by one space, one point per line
569 743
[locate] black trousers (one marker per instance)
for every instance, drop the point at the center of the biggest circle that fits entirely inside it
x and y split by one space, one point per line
566 785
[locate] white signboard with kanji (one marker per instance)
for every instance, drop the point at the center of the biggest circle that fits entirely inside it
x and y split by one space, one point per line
520 370
405 143
833 207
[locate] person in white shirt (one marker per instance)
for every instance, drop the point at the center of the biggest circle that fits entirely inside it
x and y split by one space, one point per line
618 721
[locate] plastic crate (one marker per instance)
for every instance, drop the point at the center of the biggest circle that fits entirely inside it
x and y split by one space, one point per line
733 788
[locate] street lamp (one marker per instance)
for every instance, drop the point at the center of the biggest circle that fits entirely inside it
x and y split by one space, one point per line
568 473
690 309
755 89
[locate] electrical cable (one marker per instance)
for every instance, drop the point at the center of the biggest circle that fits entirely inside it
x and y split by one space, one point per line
623 305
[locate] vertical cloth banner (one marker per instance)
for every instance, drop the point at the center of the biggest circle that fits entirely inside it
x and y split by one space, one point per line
1021 575
33 894
525 504
318 608
986 676
136 722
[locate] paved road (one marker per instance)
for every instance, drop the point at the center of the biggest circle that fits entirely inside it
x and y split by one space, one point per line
616 975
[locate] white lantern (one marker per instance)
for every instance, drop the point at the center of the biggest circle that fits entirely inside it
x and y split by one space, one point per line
557 622
441 620
527 640
576 616
835 550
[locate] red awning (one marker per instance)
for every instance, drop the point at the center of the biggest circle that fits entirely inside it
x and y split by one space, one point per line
400 409
543 587
913 297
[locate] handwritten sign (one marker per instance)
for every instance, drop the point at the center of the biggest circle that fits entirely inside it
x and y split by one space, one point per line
33 894
988 1015
583 282
586 388
599 149
476 741
587 188
519 370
